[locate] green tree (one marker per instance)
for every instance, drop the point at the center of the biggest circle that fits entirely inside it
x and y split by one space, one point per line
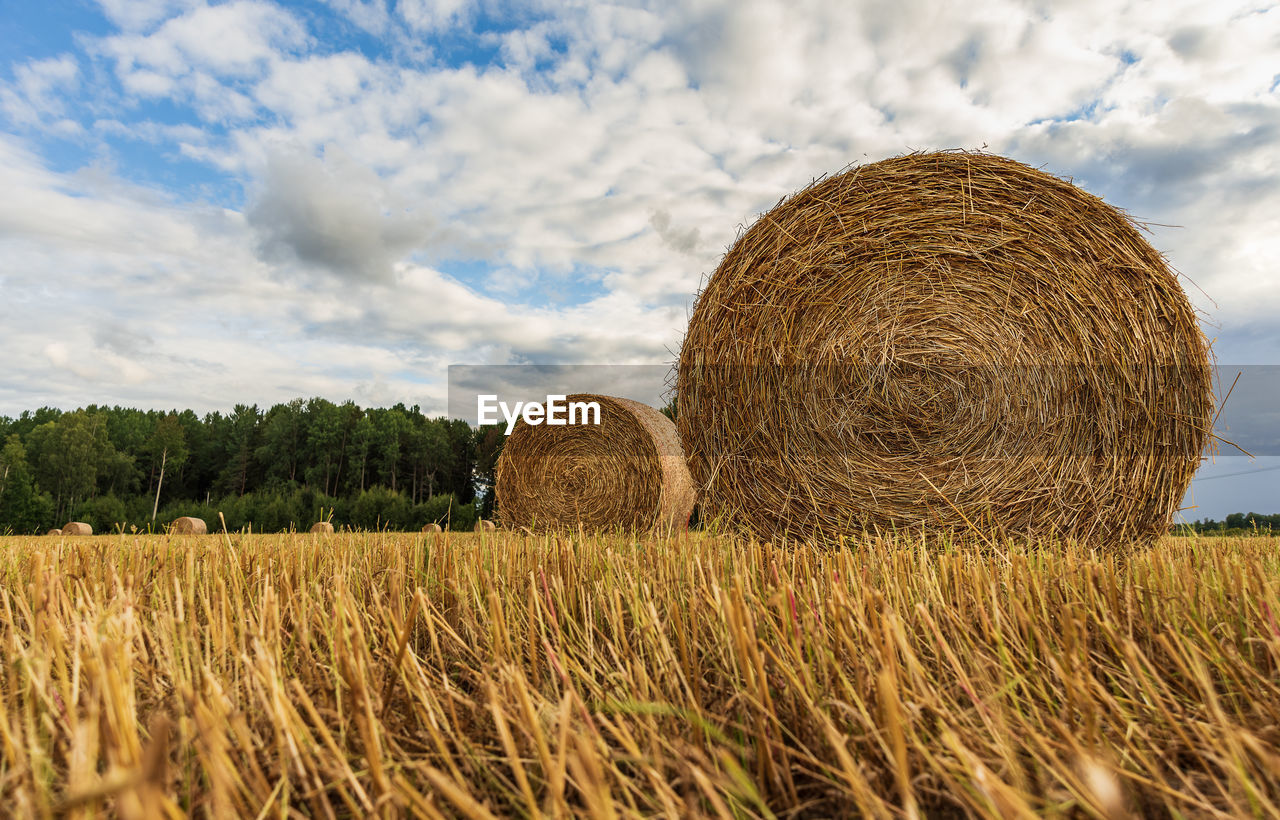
69 454
392 429
428 454
281 439
363 434
168 446
325 435
238 446
489 440
104 513
22 507
462 470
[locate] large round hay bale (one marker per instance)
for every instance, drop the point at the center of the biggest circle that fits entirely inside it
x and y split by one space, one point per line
54 531
76 528
321 528
485 525
187 525
432 527
951 341
626 472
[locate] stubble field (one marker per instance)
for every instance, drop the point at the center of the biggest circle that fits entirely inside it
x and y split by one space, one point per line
603 676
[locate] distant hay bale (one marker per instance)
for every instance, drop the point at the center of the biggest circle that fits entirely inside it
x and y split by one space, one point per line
626 472
485 525
322 528
54 531
187 525
432 527
947 341
76 528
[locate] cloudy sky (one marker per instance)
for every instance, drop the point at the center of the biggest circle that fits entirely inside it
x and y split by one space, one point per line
210 203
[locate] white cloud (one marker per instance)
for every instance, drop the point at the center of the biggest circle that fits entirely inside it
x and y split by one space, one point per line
370 15
37 95
333 213
429 15
616 146
191 54
134 15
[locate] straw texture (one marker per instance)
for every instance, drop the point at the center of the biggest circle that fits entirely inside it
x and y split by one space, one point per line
432 527
76 528
485 525
187 525
322 528
626 472
952 341
54 531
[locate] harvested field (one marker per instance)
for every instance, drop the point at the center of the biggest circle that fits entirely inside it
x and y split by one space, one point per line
503 675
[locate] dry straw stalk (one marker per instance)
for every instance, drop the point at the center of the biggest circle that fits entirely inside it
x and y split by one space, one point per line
626 472
952 341
602 676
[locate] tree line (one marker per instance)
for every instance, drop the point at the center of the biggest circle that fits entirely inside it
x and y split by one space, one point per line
1237 523
287 466
284 467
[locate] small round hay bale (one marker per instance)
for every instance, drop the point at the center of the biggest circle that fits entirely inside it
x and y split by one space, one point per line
947 341
54 531
626 472
321 528
432 527
76 528
485 525
188 525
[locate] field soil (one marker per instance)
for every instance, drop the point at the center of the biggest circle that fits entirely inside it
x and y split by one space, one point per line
479 675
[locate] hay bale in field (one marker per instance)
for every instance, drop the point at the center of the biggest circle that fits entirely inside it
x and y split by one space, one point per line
951 341
485 525
187 525
321 528
54 531
76 528
627 471
433 527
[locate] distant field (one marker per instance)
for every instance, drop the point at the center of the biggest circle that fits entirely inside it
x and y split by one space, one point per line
467 675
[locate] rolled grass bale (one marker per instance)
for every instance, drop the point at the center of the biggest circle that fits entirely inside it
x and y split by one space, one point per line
626 472
944 342
76 528
188 525
321 528
485 525
432 527
54 531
